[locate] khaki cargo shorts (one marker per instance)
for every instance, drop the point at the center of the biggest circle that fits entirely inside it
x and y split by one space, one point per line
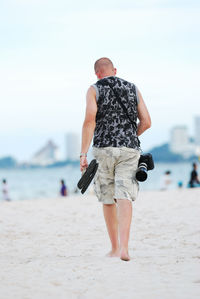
115 177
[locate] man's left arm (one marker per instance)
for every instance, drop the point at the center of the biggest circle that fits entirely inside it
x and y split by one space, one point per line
143 116
88 126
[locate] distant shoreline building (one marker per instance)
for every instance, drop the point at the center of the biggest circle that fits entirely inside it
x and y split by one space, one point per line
179 139
46 155
180 143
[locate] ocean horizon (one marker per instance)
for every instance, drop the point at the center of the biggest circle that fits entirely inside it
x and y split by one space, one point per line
34 183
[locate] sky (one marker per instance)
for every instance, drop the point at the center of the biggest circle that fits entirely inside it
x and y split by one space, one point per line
47 53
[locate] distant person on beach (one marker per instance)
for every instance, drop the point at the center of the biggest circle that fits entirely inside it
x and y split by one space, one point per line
5 190
63 189
166 180
112 109
194 180
180 184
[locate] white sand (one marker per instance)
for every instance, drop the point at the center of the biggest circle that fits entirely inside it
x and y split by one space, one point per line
56 249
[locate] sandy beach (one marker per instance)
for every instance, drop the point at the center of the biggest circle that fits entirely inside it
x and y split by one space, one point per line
56 249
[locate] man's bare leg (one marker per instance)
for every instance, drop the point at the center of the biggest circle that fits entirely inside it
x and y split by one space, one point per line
110 215
124 218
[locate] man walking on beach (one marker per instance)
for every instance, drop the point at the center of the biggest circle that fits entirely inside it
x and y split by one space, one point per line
112 109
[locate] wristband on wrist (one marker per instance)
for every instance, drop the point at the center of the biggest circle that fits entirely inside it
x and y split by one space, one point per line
83 155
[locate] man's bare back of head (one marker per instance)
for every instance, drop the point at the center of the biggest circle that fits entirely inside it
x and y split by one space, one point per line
104 67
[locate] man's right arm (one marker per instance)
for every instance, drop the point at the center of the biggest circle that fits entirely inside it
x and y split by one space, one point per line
88 125
143 115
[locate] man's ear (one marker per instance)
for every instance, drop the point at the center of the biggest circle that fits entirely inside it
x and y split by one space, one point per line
98 75
115 71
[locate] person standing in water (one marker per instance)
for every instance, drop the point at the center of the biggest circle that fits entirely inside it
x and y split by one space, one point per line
63 189
5 190
194 180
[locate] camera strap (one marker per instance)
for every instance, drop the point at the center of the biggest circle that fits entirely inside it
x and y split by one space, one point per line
123 106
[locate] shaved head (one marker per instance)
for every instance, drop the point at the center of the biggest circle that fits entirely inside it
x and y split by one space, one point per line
103 64
104 67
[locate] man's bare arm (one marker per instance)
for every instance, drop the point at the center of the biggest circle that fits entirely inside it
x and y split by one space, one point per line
88 124
143 115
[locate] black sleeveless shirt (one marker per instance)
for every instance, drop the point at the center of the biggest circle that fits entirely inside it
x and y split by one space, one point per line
113 127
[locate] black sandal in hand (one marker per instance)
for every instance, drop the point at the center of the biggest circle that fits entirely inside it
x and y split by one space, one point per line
87 177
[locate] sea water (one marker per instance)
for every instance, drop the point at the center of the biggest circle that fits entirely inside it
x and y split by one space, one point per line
45 182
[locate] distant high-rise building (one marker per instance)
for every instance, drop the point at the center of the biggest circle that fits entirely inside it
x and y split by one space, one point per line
46 155
180 142
197 130
73 146
179 139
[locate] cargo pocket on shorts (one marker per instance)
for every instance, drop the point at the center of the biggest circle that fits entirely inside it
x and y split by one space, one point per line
97 185
135 189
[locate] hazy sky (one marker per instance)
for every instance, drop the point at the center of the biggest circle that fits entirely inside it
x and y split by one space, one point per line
47 52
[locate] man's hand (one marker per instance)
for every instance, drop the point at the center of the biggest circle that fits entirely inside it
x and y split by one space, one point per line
83 163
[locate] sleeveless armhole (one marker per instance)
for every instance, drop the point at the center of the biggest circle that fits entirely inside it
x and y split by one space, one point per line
97 91
137 96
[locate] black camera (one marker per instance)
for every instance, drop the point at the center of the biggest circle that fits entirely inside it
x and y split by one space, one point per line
145 163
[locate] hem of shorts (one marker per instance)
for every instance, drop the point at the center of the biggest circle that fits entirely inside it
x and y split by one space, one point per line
130 199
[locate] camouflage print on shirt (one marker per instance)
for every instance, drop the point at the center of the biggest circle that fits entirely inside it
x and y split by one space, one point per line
113 126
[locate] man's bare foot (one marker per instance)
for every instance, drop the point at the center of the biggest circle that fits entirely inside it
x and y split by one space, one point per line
124 256
113 253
